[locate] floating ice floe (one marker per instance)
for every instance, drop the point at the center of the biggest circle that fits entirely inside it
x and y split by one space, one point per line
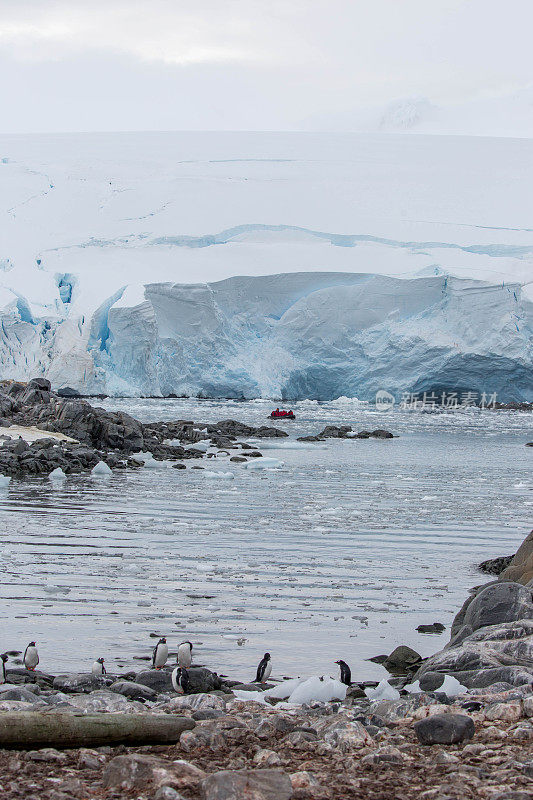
202 446
383 691
218 475
264 463
148 461
101 470
291 444
57 475
4 481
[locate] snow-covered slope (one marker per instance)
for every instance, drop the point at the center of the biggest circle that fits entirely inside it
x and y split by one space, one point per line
407 261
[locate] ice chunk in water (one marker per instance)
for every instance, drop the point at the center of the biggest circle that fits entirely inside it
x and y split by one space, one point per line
264 463
228 476
57 474
4 481
101 470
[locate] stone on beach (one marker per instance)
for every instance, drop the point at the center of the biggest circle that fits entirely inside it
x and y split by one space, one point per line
257 784
444 729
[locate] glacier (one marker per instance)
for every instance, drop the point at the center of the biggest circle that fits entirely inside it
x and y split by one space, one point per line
392 262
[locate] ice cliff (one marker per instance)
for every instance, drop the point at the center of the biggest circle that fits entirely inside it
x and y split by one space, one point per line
315 335
402 263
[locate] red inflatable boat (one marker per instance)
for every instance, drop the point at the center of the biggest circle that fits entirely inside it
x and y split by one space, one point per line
282 414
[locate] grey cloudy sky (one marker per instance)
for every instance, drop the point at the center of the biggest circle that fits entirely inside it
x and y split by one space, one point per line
70 65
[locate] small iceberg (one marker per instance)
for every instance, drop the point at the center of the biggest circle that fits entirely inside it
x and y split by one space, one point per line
5 480
101 470
57 475
264 463
218 475
148 461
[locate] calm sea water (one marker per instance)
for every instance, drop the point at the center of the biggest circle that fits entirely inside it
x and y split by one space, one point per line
339 554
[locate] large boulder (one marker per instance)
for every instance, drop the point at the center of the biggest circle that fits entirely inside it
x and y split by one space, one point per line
499 602
157 679
202 680
488 655
521 567
444 729
135 691
402 659
85 682
256 784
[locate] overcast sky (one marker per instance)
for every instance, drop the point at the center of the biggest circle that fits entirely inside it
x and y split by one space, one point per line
82 65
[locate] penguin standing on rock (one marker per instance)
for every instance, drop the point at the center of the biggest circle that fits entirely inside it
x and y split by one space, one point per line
180 680
346 673
264 669
98 667
185 655
3 659
160 654
31 657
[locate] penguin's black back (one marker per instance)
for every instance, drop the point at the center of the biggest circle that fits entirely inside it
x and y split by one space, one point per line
346 673
184 680
261 670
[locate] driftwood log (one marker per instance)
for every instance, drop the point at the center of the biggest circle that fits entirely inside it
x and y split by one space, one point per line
34 729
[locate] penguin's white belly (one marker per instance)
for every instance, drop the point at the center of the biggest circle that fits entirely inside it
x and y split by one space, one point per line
97 669
184 656
266 673
161 655
31 659
174 677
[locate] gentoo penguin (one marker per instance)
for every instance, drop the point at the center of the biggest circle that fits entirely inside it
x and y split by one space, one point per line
98 667
185 655
31 657
264 669
160 654
180 680
3 678
346 673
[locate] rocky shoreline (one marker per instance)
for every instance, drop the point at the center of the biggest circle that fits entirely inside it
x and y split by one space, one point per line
82 435
431 737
